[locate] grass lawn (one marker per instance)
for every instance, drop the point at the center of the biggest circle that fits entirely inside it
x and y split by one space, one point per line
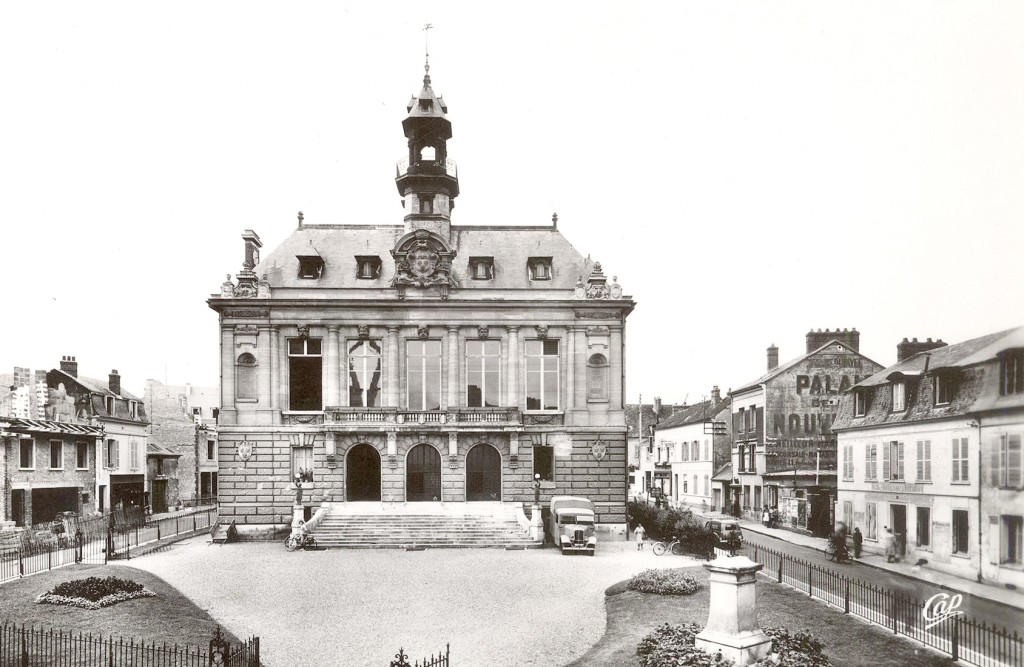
169 617
848 641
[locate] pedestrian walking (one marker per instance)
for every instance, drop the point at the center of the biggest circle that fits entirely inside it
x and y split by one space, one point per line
638 533
888 541
766 516
858 540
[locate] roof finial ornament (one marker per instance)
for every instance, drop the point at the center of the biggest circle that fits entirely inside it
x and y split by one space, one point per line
301 217
426 52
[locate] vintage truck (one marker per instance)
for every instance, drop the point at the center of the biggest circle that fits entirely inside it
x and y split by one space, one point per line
572 524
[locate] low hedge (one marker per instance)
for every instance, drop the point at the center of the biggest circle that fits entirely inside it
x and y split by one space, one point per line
94 592
665 523
664 582
674 646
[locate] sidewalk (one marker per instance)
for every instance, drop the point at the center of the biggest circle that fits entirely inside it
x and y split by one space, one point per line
949 582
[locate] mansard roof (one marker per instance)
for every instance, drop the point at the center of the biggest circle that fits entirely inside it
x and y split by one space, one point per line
510 246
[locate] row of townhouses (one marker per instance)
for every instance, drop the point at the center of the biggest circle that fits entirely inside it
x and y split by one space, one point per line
73 444
929 448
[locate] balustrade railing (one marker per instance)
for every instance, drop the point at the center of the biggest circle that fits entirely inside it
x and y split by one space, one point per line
343 415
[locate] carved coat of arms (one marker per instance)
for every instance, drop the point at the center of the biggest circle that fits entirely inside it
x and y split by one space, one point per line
598 449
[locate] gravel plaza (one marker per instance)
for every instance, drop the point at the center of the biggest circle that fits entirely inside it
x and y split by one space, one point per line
358 607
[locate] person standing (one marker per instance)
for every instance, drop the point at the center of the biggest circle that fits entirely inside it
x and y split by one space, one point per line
858 540
639 535
766 516
887 541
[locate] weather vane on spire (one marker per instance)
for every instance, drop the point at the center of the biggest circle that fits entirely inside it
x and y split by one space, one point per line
426 46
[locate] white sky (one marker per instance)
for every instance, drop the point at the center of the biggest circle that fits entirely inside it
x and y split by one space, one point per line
747 170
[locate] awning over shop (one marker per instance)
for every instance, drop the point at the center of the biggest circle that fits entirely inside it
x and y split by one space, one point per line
782 474
40 426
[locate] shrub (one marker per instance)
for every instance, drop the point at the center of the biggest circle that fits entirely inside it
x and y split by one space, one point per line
94 592
673 646
664 582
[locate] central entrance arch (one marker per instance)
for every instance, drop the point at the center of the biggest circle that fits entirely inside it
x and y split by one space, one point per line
483 473
423 474
362 473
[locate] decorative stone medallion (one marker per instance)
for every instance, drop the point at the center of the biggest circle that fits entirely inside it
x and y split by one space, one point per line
598 449
244 450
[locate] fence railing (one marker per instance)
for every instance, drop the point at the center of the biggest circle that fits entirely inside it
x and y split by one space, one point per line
962 638
440 660
22 646
19 558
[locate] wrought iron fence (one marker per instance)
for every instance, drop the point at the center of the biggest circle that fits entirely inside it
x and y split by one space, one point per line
964 639
25 554
440 660
23 646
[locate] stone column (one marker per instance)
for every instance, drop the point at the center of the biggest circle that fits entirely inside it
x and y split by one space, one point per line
513 366
453 367
227 369
392 369
275 367
284 382
333 367
615 368
732 619
263 373
579 367
570 372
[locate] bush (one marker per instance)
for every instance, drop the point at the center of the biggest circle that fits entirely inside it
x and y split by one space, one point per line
94 592
673 646
664 582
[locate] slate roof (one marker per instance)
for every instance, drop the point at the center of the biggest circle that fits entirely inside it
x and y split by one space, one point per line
695 414
790 364
154 448
632 416
510 246
724 474
974 365
96 386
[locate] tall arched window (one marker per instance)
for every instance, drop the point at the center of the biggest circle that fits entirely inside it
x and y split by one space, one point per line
245 377
597 377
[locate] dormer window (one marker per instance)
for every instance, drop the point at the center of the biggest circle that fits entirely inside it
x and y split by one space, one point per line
481 268
367 267
310 266
860 403
540 268
1011 372
899 396
133 409
108 403
945 386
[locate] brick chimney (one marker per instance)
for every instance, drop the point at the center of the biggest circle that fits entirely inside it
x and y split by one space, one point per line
908 348
716 394
69 366
851 337
657 406
115 382
773 357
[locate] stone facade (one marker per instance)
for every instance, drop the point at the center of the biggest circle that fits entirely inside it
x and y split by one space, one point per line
420 361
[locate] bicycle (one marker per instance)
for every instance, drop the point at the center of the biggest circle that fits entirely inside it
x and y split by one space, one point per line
675 546
304 541
840 555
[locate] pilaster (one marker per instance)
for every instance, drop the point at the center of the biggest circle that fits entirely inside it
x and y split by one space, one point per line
579 366
227 371
333 367
265 363
453 366
570 375
513 366
615 399
392 369
275 367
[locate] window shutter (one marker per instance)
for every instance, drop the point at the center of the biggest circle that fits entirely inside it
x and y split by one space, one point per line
1013 477
997 451
928 460
920 460
899 458
759 424
885 460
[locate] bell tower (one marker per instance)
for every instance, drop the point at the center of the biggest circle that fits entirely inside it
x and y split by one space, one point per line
427 180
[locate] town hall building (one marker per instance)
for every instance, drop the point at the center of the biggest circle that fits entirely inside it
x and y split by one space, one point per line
420 362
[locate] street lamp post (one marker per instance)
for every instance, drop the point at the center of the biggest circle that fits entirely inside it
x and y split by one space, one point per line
536 525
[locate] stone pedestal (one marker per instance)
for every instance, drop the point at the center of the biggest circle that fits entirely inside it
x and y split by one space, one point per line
536 524
732 619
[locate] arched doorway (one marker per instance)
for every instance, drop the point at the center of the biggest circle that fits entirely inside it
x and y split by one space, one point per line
423 474
483 473
362 474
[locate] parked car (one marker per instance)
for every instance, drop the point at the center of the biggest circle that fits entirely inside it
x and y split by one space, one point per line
725 530
572 524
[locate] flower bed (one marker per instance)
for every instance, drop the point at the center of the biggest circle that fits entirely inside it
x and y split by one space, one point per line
94 592
673 646
664 582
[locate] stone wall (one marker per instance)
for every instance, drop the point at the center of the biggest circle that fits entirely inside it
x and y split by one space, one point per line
173 426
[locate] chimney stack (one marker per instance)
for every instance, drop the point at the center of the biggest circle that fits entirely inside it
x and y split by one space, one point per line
773 357
69 366
716 394
115 382
908 348
657 406
849 337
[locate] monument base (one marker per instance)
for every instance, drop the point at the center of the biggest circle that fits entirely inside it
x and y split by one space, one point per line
744 649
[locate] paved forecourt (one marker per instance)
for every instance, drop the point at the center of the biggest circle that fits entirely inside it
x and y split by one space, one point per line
357 607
